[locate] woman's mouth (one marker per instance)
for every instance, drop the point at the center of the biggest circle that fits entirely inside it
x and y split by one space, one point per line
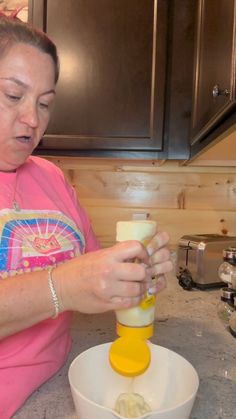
24 138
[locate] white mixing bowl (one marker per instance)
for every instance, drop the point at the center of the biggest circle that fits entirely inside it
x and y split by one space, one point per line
169 385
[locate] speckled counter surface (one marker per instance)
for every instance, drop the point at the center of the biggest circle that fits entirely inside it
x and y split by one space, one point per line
186 323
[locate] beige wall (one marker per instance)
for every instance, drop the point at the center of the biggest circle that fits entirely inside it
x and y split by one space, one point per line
183 200
10 6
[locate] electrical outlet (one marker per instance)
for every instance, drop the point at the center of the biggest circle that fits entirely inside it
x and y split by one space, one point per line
140 216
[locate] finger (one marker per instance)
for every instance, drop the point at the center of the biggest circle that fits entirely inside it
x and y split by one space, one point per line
125 302
161 268
158 284
159 240
119 302
129 289
130 250
133 272
161 255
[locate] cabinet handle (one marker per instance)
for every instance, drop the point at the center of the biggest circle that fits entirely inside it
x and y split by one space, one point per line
216 91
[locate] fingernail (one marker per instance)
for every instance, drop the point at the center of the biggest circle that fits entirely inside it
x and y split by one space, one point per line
149 250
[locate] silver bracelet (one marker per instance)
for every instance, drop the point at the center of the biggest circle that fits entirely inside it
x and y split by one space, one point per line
55 299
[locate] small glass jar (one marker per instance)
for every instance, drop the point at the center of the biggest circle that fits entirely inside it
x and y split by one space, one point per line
225 307
232 320
227 270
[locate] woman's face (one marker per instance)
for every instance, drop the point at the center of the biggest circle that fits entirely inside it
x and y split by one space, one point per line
27 91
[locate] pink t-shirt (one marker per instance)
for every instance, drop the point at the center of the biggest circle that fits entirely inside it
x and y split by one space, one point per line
50 228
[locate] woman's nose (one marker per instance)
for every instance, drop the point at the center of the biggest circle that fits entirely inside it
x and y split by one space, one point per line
29 115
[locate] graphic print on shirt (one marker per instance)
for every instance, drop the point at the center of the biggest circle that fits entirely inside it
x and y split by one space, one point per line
31 240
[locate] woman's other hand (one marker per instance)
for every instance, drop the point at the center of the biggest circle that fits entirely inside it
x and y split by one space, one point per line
160 262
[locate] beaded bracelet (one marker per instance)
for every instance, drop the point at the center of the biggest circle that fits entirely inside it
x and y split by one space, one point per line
54 296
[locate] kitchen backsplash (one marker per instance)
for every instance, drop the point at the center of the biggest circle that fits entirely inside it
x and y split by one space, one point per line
183 200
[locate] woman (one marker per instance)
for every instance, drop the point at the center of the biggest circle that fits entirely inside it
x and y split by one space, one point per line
50 261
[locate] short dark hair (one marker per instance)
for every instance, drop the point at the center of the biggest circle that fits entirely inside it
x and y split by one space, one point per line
14 31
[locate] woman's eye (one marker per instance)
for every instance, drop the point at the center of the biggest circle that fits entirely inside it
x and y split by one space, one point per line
43 105
13 98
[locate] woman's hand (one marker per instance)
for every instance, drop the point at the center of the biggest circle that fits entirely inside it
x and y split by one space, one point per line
159 260
108 279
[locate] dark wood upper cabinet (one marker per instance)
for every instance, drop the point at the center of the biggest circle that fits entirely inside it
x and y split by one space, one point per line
126 76
214 99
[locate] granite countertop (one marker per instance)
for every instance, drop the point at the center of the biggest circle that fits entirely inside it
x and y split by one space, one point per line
186 323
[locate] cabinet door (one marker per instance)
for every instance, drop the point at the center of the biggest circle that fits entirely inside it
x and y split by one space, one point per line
214 88
111 91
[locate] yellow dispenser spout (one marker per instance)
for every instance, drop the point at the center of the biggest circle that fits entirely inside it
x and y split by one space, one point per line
129 356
